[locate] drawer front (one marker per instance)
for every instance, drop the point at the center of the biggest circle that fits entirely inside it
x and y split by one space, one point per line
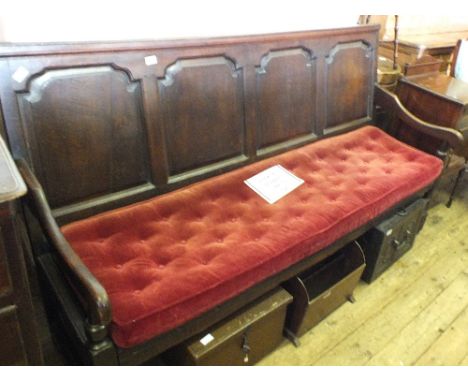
5 280
242 339
249 346
12 350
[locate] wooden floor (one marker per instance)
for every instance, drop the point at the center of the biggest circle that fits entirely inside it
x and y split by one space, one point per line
416 313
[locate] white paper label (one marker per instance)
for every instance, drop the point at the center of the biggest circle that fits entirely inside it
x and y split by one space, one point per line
274 183
20 74
207 339
151 60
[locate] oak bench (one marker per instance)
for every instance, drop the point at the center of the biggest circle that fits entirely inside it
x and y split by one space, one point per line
135 153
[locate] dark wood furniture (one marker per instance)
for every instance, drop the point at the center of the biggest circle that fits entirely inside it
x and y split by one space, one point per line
391 239
240 340
443 100
19 344
415 59
437 48
151 120
422 46
439 99
322 289
103 125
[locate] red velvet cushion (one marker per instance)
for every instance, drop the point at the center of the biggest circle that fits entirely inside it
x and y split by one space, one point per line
169 259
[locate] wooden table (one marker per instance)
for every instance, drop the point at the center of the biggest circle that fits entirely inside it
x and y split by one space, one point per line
411 49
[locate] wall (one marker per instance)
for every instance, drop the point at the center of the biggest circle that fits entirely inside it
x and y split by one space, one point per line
411 25
46 20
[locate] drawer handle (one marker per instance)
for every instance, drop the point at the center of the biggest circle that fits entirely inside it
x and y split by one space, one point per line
402 212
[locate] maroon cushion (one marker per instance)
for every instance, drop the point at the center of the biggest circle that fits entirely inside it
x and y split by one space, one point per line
169 259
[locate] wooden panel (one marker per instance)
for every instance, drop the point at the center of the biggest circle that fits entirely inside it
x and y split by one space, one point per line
103 129
203 117
85 131
11 346
5 280
349 82
285 84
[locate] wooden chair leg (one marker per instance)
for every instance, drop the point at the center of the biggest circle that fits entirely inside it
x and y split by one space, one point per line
458 180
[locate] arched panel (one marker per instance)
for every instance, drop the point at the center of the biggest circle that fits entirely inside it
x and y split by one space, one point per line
201 101
349 82
85 132
286 97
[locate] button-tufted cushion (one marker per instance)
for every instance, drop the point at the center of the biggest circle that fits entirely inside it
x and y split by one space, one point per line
169 259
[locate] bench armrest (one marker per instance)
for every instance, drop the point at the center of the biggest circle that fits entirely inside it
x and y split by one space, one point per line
96 300
392 103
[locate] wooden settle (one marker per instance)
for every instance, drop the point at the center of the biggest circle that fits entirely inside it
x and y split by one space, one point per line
95 126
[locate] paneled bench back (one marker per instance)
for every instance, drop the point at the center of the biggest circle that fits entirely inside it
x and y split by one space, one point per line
106 124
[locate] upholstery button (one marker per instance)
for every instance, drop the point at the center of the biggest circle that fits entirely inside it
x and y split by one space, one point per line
219 240
118 266
161 266
183 241
233 220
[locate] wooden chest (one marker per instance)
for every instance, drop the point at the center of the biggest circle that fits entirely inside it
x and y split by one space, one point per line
242 339
322 289
391 239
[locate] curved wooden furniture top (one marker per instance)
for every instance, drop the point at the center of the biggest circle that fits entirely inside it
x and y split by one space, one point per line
391 102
